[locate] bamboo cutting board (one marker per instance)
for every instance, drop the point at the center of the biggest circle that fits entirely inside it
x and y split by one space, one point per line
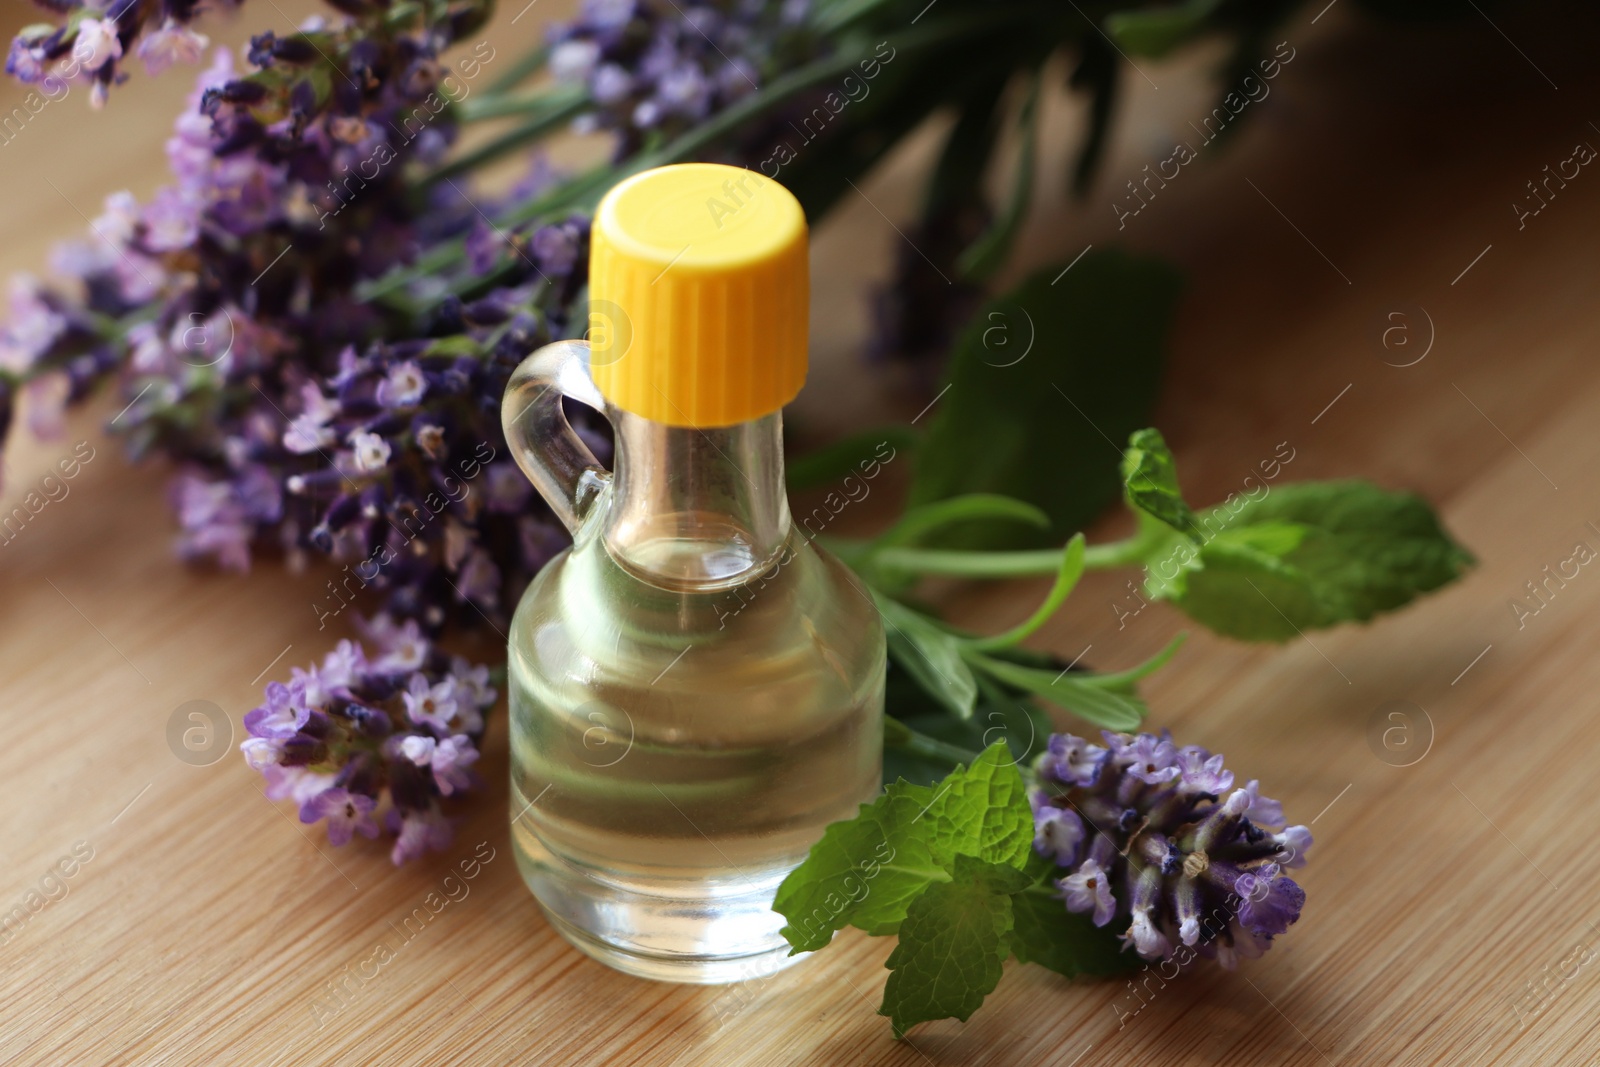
1451 914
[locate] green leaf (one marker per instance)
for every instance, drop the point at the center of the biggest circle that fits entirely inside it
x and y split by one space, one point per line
1158 30
1066 580
1019 722
564 104
1046 933
866 872
1150 481
1041 384
1103 707
1304 556
955 938
930 654
982 811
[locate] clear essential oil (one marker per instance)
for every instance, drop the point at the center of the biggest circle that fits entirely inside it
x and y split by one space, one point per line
696 689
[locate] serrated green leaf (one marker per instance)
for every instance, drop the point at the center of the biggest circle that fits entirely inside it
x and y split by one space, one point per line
865 872
955 938
1030 426
1305 556
929 654
982 811
1150 482
1045 932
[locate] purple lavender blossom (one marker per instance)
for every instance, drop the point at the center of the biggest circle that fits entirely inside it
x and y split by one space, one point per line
171 44
1151 844
283 715
416 833
306 419
298 784
662 68
32 326
253 357
448 759
346 813
1057 832
1089 889
343 741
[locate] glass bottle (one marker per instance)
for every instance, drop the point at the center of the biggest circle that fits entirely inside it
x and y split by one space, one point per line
696 688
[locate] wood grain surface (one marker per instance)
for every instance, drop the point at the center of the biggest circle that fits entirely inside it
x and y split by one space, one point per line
1451 916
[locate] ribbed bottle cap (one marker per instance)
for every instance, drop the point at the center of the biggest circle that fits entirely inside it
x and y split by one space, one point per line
698 295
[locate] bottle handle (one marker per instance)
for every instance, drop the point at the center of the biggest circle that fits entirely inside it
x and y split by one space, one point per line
543 443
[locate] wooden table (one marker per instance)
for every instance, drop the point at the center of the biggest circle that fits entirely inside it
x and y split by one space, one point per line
1450 919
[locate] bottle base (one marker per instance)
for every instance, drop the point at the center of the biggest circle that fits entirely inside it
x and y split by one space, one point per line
686 970
707 933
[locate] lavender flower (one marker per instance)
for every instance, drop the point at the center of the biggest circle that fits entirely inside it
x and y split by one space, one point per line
448 759
1152 845
653 68
346 813
304 418
416 833
314 327
342 740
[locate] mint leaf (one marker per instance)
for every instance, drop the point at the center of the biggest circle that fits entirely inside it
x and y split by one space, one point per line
955 938
1304 556
982 811
1046 933
1031 427
1150 480
865 872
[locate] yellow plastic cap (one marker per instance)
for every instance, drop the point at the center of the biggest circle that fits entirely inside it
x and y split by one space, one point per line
698 295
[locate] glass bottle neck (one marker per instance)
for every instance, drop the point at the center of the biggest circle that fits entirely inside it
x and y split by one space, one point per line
697 508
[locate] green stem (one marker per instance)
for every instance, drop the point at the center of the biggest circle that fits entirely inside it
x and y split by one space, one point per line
935 32
831 19
584 191
498 105
897 734
1066 581
559 108
961 563
441 256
